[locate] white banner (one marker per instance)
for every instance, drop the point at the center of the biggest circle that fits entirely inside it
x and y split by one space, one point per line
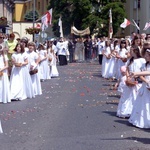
80 32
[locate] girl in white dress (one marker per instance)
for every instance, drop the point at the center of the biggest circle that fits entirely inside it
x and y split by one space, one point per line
106 59
121 82
34 68
43 64
112 64
129 94
4 81
52 62
140 116
121 58
20 80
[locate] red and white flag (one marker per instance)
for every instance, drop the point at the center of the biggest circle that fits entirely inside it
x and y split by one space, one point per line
125 23
46 19
147 25
49 16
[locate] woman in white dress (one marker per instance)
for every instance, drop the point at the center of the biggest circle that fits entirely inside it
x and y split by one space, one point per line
34 68
52 62
43 64
106 59
140 116
112 68
4 81
129 94
20 80
121 58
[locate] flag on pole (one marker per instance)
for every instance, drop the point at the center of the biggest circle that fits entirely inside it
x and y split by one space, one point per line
46 20
136 25
125 23
147 25
49 16
60 27
110 24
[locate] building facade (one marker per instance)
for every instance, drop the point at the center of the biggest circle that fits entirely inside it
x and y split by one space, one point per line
139 10
6 11
21 21
22 7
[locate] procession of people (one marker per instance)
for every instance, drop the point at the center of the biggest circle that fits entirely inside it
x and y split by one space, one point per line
25 64
122 60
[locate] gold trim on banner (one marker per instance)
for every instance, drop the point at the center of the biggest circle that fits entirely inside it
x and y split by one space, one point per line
80 32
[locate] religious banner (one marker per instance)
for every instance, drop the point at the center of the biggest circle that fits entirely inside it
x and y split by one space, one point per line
80 32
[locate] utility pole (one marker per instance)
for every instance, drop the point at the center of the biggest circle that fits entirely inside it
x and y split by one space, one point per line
33 17
137 15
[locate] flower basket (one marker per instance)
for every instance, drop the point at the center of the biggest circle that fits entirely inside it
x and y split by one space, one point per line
33 30
3 21
131 83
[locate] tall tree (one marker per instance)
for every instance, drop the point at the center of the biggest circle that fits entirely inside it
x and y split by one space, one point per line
118 15
86 13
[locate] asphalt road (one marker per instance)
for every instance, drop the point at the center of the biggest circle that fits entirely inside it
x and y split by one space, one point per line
77 111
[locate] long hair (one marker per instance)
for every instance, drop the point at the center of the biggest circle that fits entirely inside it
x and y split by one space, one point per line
21 46
145 47
123 42
136 51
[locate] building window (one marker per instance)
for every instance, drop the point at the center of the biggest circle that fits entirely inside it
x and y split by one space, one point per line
39 6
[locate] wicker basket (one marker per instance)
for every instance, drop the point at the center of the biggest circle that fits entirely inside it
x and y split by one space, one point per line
32 72
124 59
130 83
1 73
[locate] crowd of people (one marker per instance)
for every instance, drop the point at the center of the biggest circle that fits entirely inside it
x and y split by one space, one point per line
24 65
31 63
122 61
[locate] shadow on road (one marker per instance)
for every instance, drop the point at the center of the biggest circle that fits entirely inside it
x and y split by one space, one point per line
142 140
111 113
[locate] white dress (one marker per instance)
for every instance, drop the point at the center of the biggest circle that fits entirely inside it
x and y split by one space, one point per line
129 94
33 56
105 63
53 65
140 116
111 66
120 63
43 66
115 69
4 82
122 84
20 80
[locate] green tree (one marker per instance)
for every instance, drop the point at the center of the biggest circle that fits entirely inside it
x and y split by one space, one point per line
86 13
118 15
